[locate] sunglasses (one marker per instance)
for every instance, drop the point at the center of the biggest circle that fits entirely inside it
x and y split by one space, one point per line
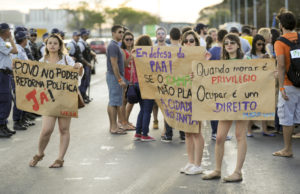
121 32
189 40
260 44
33 35
160 33
229 43
129 39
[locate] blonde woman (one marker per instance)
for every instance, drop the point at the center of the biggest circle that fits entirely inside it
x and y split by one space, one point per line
54 55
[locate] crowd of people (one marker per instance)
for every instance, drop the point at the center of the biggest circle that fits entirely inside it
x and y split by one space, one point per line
245 43
53 50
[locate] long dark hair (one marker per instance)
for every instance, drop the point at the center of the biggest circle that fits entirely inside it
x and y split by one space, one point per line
123 45
143 40
235 38
61 50
197 42
256 38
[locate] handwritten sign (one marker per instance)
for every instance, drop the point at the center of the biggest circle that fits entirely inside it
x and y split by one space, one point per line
163 74
234 90
46 89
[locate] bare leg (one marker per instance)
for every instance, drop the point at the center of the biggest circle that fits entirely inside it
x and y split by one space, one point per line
240 133
199 145
122 111
64 129
112 114
287 137
128 111
250 123
48 125
223 128
190 147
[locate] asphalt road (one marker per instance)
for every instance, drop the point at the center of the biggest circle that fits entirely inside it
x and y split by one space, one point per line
98 162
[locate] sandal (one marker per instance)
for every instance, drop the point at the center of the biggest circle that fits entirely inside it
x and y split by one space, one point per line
214 175
118 132
282 154
57 164
235 177
35 160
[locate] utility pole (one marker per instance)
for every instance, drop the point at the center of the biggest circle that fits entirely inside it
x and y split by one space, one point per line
239 11
246 12
233 11
254 14
287 4
267 14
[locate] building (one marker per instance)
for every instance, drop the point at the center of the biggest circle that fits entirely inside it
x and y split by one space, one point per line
13 17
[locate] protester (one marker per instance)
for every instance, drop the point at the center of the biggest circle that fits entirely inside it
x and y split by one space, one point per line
245 44
216 55
130 78
231 50
194 141
246 34
54 54
209 42
5 77
161 35
275 34
258 51
115 79
146 105
266 33
175 38
213 33
185 29
288 99
201 30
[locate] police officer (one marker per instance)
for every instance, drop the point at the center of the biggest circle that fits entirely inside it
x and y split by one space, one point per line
33 46
5 80
19 115
88 55
42 47
73 48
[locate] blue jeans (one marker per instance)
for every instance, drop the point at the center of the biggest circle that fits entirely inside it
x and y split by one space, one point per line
214 126
5 97
143 121
85 81
169 131
17 113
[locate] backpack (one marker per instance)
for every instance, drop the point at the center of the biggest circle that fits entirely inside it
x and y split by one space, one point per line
294 70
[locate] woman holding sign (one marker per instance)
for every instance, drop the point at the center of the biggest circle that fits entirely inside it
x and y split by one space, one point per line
194 141
54 54
231 51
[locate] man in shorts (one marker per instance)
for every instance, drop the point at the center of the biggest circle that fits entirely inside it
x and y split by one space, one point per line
115 78
289 95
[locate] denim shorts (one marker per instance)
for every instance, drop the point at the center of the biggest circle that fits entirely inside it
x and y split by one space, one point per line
289 110
115 91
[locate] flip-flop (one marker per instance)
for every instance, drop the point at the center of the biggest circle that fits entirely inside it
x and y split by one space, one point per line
118 132
280 154
127 127
131 125
296 136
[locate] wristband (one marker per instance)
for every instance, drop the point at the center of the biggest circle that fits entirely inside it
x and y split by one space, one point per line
281 89
120 80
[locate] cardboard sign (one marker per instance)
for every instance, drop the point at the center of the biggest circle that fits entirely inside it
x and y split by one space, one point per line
163 74
46 89
234 90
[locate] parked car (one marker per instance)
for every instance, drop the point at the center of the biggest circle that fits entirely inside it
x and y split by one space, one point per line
98 46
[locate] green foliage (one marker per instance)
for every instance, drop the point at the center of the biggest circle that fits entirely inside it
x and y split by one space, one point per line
131 18
85 18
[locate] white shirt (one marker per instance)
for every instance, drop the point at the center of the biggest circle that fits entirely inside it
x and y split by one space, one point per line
81 43
65 58
21 53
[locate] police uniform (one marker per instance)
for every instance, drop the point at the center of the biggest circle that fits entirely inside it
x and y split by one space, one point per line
18 114
5 82
86 53
74 50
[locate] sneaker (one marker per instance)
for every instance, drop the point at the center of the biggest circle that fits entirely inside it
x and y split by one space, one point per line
166 139
137 137
194 170
214 136
187 166
147 138
155 124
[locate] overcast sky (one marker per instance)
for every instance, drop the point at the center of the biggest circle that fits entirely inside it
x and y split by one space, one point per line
170 10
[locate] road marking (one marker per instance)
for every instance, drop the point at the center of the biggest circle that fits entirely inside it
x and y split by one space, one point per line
102 178
74 179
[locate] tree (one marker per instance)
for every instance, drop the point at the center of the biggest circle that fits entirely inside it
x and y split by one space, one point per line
82 17
132 19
